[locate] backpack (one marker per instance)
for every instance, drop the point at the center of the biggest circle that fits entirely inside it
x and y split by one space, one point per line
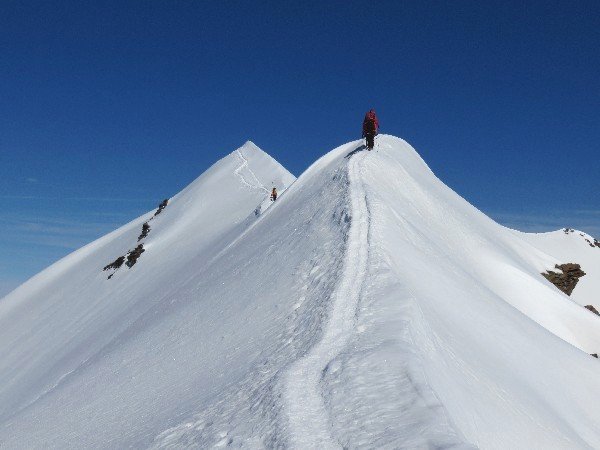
369 125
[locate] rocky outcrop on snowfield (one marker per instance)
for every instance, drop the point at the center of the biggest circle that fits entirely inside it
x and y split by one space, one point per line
133 255
115 264
592 242
145 231
592 309
567 278
161 206
571 245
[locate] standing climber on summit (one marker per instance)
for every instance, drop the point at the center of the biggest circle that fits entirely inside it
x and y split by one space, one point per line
370 128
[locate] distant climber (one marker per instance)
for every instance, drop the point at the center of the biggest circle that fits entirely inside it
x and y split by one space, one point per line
274 194
370 128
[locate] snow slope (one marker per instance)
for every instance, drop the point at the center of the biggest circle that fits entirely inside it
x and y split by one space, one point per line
370 306
491 335
66 316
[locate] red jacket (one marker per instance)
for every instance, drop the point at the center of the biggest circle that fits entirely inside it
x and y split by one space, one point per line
371 123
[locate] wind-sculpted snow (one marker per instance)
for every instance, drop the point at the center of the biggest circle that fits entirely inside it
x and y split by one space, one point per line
310 423
370 306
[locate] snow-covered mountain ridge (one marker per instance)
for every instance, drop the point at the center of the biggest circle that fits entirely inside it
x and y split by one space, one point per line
369 306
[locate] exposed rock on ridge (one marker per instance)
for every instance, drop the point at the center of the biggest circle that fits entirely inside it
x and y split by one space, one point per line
592 242
145 231
133 255
592 309
568 279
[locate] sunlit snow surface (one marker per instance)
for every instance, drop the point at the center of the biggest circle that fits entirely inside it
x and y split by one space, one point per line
368 307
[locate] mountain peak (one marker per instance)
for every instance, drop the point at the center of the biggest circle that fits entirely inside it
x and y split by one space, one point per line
250 149
249 145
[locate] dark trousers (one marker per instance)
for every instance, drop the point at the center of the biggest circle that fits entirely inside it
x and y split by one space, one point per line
370 140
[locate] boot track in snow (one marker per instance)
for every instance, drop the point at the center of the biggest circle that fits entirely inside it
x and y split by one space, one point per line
308 418
257 184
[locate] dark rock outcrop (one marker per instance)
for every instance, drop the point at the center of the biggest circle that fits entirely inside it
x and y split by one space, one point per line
590 242
161 206
568 279
593 243
133 255
115 264
592 309
595 355
145 231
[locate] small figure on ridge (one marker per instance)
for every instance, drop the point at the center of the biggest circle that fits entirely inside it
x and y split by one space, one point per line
274 194
370 128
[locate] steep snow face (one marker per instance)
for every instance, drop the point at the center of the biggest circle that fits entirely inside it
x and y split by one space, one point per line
369 306
496 341
202 364
59 320
439 223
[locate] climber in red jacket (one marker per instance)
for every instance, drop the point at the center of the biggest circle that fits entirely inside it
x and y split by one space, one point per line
370 128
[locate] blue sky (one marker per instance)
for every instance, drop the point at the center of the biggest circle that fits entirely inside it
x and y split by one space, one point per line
108 107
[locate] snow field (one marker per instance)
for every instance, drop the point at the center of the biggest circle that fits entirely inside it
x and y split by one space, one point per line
370 306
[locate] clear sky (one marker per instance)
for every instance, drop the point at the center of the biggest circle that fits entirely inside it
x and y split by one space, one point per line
107 107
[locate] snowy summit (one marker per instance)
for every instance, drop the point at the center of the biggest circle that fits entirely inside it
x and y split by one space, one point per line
368 306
